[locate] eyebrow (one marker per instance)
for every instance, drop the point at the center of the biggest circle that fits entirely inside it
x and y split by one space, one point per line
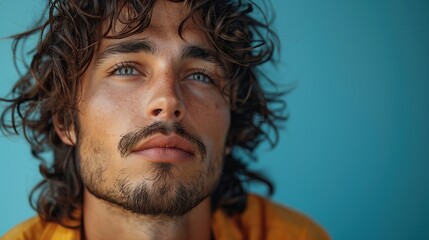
142 45
130 46
194 51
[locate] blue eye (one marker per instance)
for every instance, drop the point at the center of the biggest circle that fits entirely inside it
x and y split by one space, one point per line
125 71
200 77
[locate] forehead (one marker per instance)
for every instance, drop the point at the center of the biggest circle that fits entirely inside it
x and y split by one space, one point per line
168 14
166 18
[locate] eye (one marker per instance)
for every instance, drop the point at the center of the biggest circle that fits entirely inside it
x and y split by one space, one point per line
124 70
200 77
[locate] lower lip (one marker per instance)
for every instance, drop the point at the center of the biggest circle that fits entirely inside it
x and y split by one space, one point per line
165 155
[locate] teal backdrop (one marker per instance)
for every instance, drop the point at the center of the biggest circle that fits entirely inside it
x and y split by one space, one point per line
354 154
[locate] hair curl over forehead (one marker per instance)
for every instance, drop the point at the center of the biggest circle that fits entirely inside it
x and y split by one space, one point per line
69 34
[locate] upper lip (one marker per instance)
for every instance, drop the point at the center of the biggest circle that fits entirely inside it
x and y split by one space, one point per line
166 141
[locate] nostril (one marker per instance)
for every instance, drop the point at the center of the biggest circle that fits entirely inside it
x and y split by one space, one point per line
177 113
157 111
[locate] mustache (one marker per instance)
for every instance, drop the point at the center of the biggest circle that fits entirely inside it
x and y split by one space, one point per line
131 139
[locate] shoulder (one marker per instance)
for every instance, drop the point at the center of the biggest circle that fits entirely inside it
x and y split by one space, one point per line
264 219
282 220
30 229
37 228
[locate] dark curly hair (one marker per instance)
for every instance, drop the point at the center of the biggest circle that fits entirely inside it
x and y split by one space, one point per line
69 34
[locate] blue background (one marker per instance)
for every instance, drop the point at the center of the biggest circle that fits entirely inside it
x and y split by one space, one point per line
354 154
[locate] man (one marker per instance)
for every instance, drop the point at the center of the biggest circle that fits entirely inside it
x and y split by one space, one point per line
145 105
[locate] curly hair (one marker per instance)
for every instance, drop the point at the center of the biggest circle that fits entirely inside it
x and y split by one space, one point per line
69 33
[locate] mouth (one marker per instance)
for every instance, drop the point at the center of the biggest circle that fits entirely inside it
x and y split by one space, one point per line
165 149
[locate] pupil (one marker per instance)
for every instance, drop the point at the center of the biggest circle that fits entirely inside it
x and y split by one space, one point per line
126 71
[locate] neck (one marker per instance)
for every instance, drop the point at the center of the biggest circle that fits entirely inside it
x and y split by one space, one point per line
102 220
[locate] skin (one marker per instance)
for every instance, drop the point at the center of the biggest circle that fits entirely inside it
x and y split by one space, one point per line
159 86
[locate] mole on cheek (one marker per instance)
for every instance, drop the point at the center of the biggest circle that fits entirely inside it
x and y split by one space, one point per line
217 106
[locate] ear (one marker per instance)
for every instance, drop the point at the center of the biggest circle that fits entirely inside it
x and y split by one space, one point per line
67 135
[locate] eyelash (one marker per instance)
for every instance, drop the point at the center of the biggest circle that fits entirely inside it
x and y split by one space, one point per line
123 65
203 72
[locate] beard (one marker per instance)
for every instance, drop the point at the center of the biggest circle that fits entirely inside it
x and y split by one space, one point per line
162 195
161 191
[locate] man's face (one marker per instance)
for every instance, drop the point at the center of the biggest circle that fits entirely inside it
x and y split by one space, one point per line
152 118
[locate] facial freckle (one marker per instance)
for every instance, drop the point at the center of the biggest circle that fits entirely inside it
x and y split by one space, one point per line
217 106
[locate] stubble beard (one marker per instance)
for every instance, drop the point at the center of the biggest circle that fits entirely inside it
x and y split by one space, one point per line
159 193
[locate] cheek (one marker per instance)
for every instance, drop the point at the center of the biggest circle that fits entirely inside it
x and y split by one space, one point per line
103 106
214 122
101 125
102 121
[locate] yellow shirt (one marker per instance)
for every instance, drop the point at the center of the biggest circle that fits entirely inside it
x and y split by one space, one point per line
262 220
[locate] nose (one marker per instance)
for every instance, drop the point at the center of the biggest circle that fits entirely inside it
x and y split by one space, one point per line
166 104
